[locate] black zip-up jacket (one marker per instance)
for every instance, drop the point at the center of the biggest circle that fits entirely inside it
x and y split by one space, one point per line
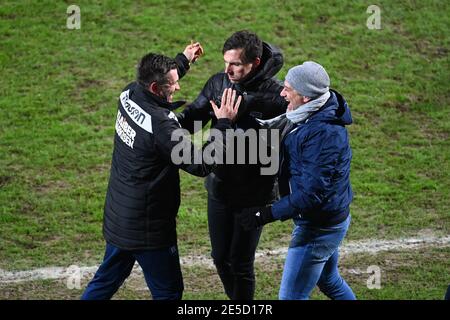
242 185
143 194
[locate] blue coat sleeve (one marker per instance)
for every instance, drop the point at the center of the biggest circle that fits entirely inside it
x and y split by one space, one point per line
315 165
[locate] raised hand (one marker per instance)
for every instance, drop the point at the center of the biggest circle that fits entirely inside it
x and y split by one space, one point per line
229 105
193 51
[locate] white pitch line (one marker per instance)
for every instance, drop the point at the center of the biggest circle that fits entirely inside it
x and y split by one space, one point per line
375 246
352 247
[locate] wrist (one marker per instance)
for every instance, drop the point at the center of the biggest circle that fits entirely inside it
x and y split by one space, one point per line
185 60
266 215
223 122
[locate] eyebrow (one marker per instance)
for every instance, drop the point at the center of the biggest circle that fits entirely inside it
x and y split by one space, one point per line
233 61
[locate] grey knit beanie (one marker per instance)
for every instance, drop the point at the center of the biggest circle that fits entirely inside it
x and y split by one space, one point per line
309 79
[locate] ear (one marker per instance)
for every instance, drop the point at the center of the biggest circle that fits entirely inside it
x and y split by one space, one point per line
153 87
306 99
256 62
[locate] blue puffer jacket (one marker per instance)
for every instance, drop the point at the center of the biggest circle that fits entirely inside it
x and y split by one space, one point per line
314 172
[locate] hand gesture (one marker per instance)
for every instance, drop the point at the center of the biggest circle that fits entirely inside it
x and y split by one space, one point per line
193 51
228 106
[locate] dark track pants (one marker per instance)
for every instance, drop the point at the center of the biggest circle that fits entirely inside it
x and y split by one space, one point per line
233 250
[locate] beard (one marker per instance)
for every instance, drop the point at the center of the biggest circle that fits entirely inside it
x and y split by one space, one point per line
166 95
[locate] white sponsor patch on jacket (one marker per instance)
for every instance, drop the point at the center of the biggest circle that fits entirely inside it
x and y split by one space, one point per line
124 130
139 116
172 115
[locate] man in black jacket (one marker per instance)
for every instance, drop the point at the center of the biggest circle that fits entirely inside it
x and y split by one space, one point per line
144 187
250 65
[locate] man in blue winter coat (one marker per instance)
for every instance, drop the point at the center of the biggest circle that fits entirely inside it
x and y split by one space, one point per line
314 178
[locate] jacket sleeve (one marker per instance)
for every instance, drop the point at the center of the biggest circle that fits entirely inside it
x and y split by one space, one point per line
175 146
182 65
199 110
319 154
278 102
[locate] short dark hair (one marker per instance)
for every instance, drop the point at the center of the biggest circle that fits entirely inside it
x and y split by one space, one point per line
154 67
248 41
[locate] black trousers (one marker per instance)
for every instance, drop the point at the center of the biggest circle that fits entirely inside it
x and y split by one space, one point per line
233 250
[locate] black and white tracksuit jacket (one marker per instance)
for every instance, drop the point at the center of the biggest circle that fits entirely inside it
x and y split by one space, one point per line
143 194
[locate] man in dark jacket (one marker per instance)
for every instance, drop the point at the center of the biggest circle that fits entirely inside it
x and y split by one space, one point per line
144 187
314 180
250 66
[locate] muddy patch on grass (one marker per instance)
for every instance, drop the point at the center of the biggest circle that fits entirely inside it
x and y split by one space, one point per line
398 268
52 187
4 180
426 239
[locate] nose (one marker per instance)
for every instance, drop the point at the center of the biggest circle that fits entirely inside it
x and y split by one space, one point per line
227 68
283 93
177 87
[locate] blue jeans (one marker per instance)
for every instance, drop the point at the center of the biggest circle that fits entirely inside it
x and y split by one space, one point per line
161 269
312 259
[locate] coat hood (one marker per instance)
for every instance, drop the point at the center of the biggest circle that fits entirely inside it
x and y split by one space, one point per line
271 62
335 110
